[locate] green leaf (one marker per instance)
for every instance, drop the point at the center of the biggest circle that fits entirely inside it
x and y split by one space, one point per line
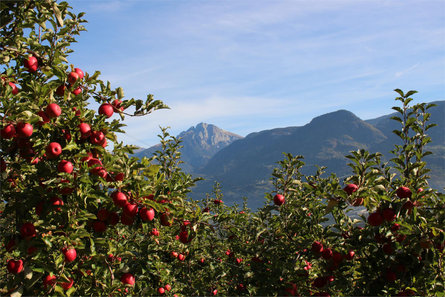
71 291
120 93
58 14
59 290
70 146
92 247
396 108
409 93
400 92
396 119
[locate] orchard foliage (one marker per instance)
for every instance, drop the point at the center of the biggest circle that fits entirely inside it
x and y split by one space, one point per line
82 217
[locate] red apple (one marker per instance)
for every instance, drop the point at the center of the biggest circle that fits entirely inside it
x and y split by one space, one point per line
15 90
317 247
99 226
403 192
375 219
357 202
154 232
278 199
73 77
321 281
49 280
65 166
147 214
67 285
327 253
130 210
53 150
56 201
128 279
161 291
97 137
350 255
77 112
119 198
28 230
126 220
350 188
44 116
8 131
165 219
337 257
85 130
395 227
24 129
65 190
181 257
89 157
66 135
77 91
31 64
113 219
53 110
119 176
388 248
117 105
79 72
70 254
168 287
408 205
15 266
184 236
103 214
106 109
11 245
389 214
60 91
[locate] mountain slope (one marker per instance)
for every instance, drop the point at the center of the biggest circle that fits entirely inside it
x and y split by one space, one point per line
246 165
199 143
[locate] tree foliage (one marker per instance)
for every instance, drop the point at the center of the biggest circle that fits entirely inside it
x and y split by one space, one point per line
81 217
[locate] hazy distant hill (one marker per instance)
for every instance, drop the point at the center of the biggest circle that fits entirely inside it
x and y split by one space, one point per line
245 166
200 144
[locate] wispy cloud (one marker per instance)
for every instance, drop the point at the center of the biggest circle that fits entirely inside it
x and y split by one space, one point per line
248 64
187 113
407 70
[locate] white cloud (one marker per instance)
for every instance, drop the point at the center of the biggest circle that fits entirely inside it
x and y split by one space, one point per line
186 113
407 70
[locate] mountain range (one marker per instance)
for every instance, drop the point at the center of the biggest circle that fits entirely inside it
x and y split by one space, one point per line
243 165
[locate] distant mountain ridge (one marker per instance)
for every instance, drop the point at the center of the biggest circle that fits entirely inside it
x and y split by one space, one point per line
199 143
243 166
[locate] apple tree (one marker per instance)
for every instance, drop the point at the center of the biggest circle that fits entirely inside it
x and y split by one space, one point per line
79 215
378 231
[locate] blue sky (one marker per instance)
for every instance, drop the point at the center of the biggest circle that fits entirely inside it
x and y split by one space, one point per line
250 65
